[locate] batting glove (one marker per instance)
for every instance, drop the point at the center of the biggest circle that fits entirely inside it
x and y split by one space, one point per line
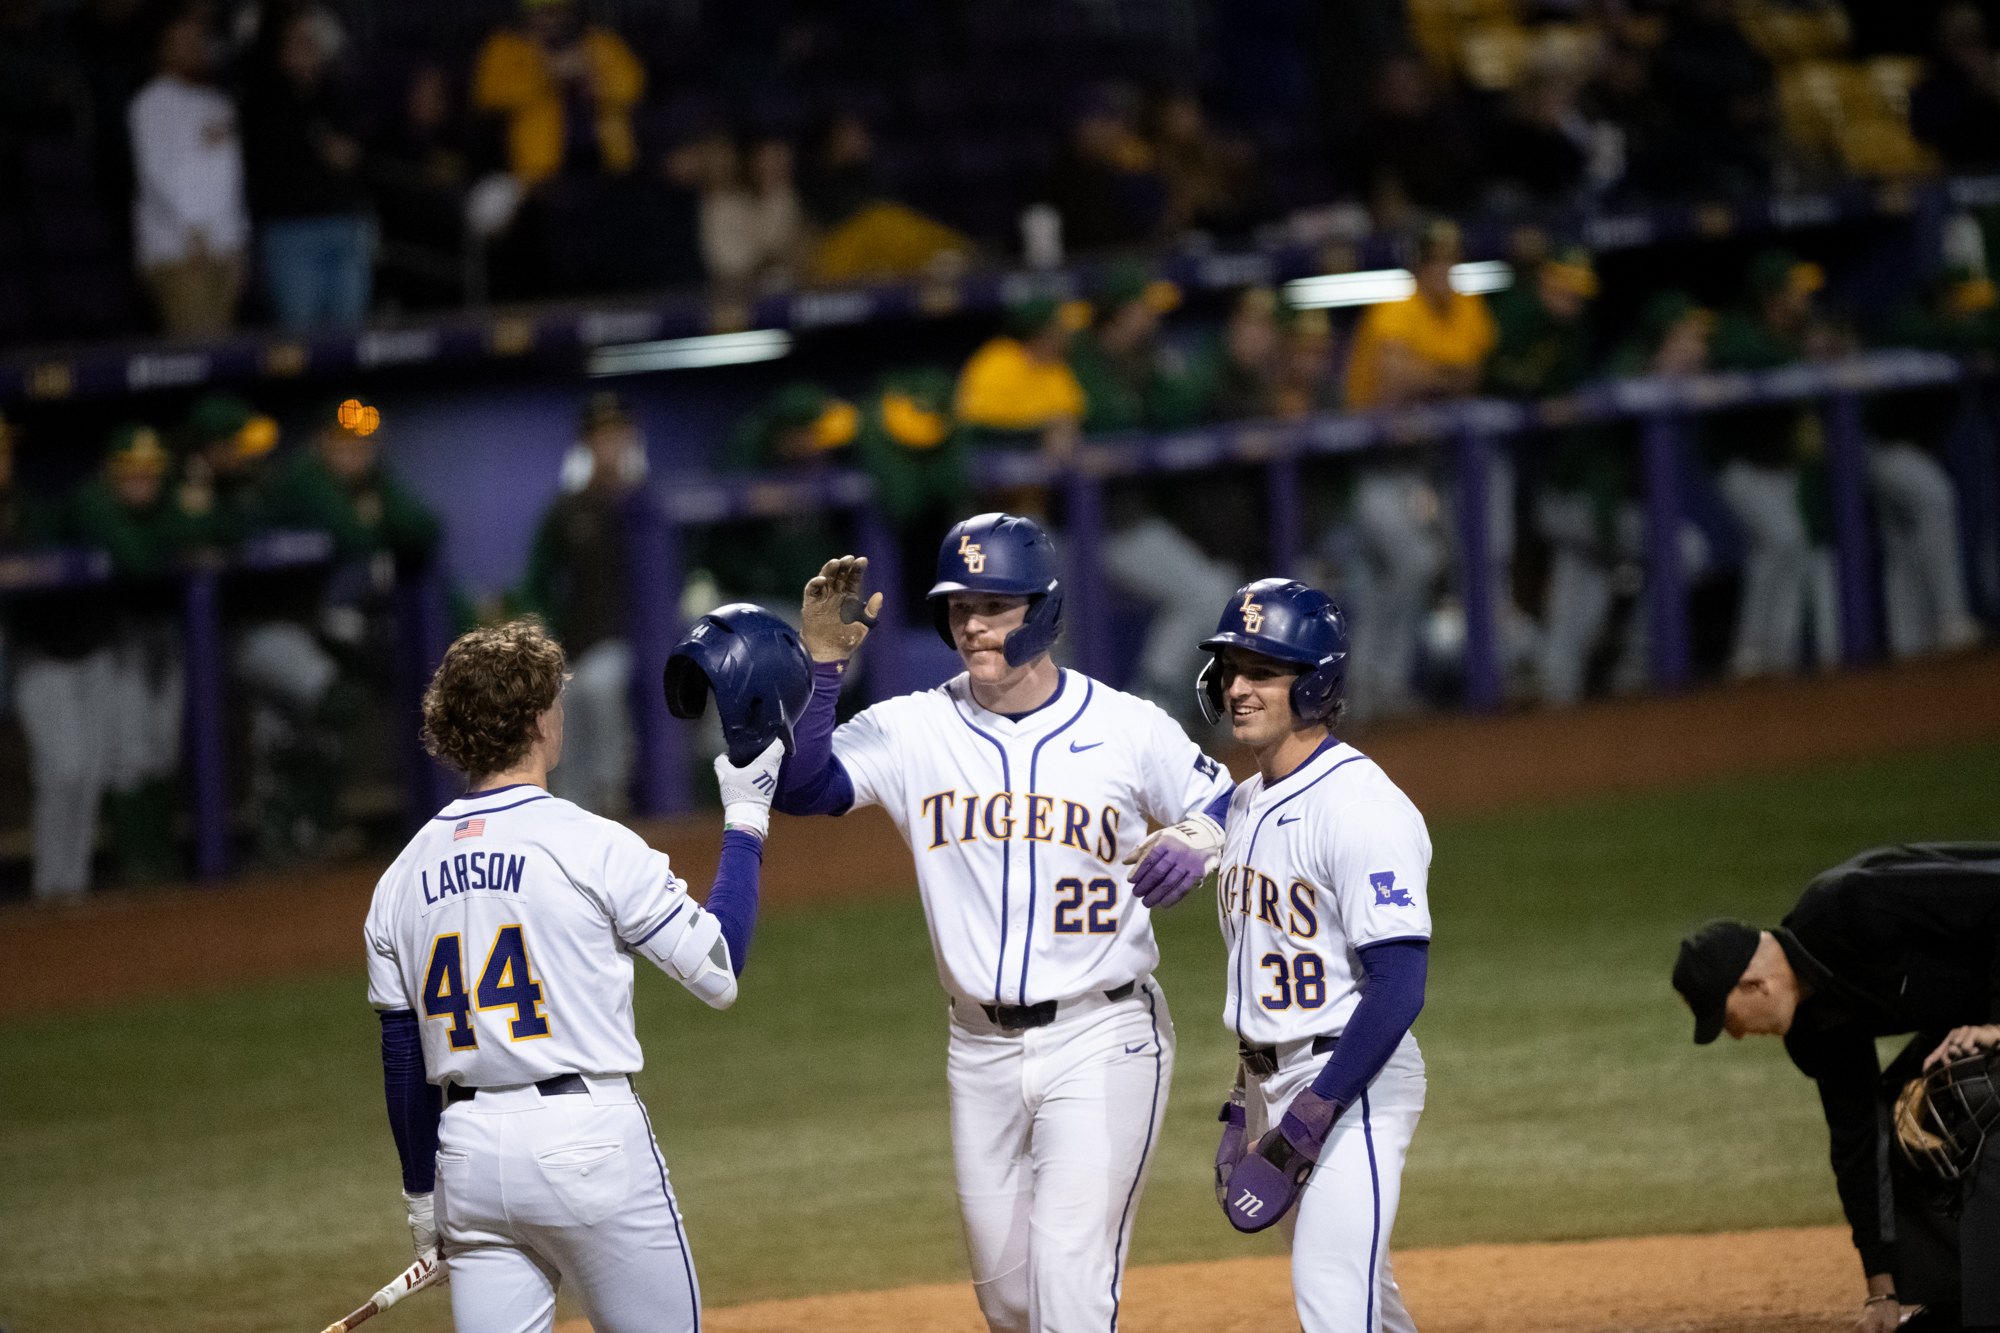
1270 1178
1174 859
423 1226
747 791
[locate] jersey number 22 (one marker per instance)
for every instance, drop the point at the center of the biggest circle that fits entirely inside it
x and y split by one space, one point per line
506 982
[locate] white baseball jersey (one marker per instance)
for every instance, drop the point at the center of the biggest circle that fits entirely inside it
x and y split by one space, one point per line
1326 861
509 923
1018 828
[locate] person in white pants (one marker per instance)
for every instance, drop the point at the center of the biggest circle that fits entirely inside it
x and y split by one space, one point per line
500 954
1322 900
1024 790
1156 561
1398 514
1923 578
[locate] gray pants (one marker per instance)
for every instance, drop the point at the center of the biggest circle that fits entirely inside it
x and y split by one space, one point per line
64 707
108 721
1765 502
597 730
1154 560
1923 584
1398 515
1583 581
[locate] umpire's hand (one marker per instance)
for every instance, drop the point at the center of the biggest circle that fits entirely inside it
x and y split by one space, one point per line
834 619
1965 1041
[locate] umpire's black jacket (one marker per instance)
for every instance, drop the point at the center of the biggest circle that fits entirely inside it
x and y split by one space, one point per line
1896 940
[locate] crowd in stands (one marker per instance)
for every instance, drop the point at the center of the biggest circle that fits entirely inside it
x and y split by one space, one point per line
257 160
98 669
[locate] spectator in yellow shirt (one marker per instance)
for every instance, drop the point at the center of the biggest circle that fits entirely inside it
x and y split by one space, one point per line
555 66
1428 346
1019 385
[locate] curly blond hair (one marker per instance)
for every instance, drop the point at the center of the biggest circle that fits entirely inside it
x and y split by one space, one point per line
481 707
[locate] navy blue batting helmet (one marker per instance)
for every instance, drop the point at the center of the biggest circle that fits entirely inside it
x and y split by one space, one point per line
1285 619
1002 553
758 669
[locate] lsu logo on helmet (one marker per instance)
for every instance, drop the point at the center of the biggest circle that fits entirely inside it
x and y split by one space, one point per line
975 559
1253 615
1386 892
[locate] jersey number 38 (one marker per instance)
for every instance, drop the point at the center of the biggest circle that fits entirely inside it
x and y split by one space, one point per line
1302 979
506 982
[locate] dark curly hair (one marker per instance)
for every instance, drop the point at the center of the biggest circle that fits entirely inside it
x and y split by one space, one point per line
481 707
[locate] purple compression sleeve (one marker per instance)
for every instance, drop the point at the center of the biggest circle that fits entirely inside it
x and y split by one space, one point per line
811 781
414 1105
1390 1001
733 898
1218 809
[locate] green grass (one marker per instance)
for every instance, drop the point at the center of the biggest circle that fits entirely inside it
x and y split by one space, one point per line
222 1163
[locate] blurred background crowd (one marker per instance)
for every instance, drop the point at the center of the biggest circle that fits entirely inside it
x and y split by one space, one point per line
188 169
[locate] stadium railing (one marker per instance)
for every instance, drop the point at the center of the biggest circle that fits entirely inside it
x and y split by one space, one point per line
611 326
901 657
420 634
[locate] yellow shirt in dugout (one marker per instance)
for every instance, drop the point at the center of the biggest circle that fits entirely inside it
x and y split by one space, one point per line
1462 336
1003 388
513 78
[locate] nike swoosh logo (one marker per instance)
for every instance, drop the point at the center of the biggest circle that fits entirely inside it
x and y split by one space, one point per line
1288 819
1074 748
1134 1050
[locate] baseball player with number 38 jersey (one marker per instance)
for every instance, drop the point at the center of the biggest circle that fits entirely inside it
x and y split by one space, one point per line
1322 901
1024 792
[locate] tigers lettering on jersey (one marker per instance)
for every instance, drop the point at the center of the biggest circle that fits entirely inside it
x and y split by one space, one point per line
1327 861
956 818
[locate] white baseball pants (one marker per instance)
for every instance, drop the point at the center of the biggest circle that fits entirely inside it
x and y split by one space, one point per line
1155 560
533 1190
597 731
1052 1131
1339 1230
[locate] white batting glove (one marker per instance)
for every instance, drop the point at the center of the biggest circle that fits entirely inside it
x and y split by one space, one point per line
423 1226
747 791
1198 832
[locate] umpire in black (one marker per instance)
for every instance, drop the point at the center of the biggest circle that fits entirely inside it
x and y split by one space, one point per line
1897 940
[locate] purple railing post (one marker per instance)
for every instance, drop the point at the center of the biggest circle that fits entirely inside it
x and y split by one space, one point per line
875 540
1847 461
422 635
653 621
1281 503
203 723
1666 581
1475 573
1083 608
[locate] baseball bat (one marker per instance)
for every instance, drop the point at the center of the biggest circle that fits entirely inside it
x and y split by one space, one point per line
423 1273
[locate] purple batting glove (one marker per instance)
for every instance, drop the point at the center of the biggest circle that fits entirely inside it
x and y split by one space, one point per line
1168 872
1269 1180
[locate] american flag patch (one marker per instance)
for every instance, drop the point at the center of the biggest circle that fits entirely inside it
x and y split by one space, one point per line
468 828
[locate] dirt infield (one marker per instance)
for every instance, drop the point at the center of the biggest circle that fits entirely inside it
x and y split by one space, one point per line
170 941
1803 1281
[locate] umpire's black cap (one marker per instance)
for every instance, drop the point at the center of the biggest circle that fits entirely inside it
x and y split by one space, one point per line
1711 963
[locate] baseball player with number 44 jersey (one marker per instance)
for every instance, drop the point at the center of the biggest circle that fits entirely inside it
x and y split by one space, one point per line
1024 791
1321 896
500 954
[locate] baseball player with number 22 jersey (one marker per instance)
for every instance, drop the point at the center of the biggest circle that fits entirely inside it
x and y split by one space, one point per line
1024 791
1321 897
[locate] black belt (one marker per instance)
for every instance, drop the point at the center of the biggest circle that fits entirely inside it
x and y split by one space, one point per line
1022 1016
562 1085
1262 1061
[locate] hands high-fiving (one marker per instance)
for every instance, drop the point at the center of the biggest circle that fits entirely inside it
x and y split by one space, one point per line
835 619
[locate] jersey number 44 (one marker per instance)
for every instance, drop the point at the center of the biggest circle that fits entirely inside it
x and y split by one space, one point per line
506 982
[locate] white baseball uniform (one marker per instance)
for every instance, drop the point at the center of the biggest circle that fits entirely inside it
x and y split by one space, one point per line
1017 827
508 925
1328 860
